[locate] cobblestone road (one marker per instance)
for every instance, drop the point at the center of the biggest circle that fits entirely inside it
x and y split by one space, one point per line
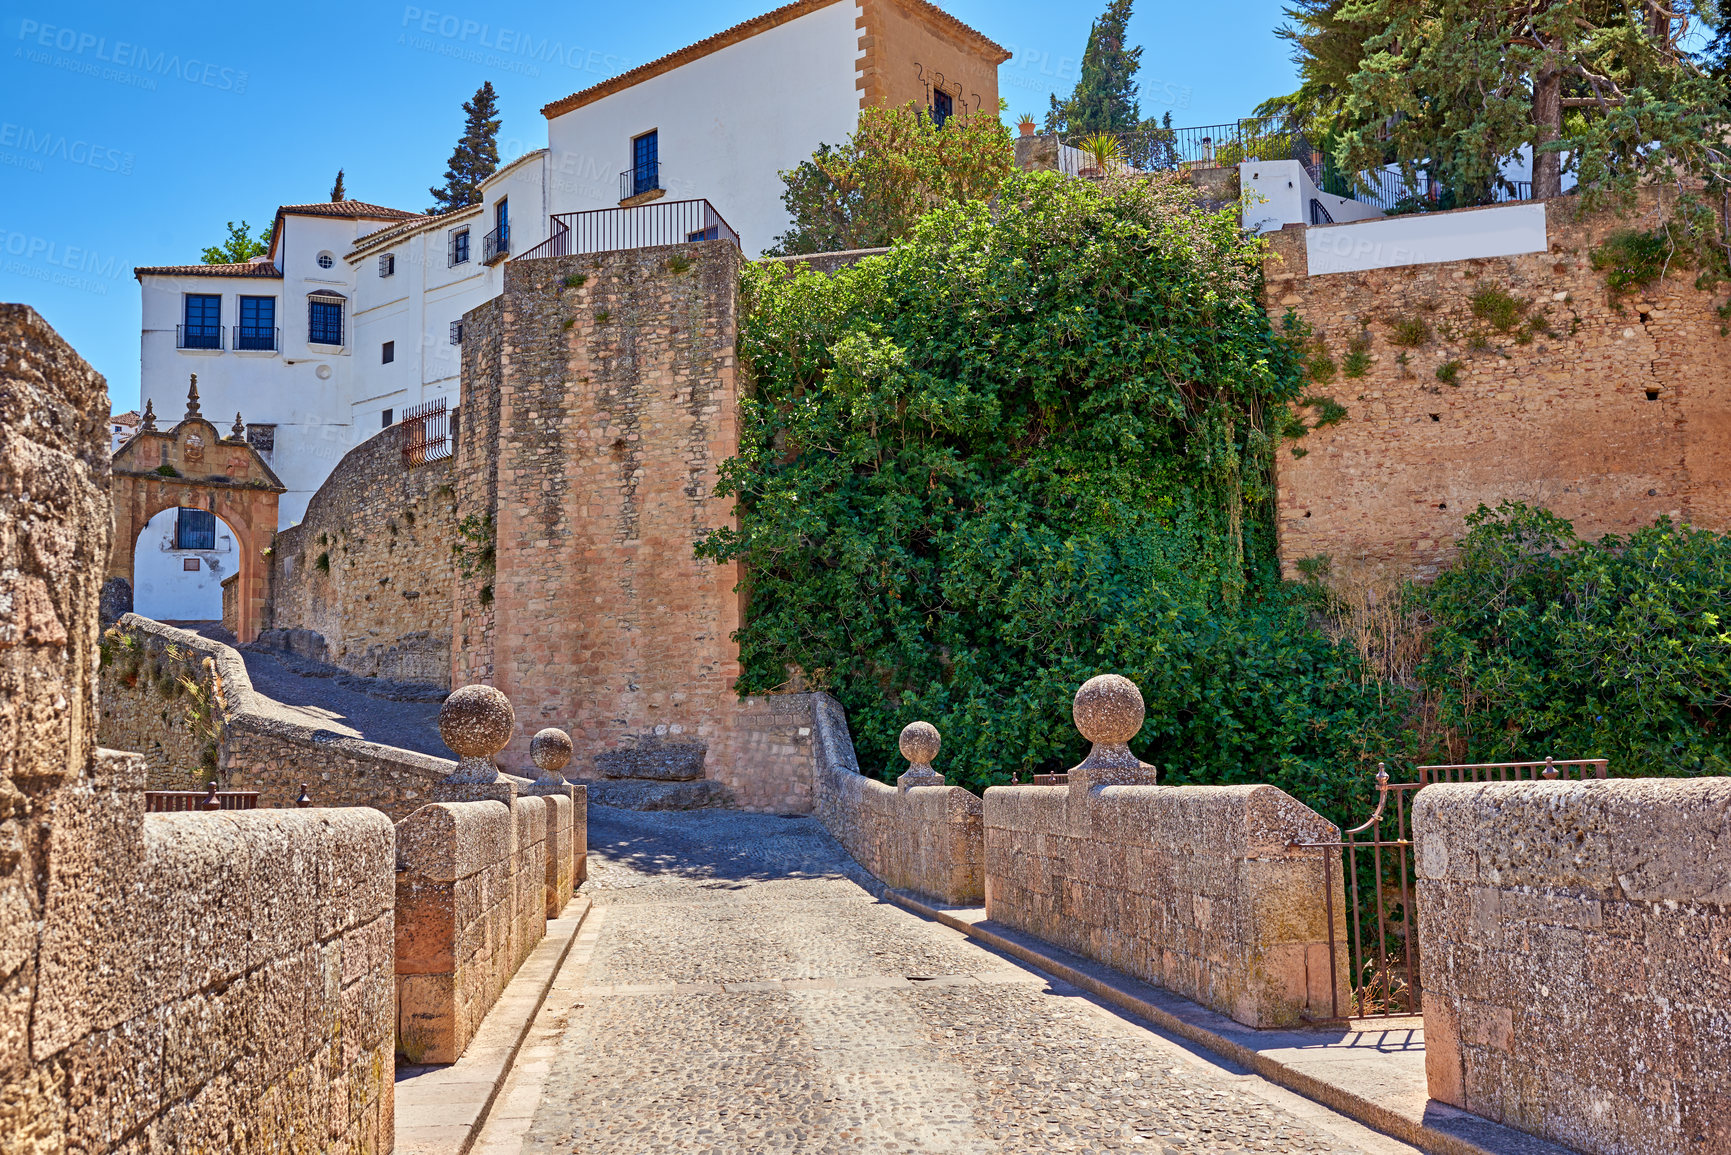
739 989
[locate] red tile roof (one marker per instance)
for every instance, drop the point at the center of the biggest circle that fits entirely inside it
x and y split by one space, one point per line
243 269
359 209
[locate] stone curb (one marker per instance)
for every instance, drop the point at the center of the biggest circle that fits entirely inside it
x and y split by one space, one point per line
451 1103
1188 1021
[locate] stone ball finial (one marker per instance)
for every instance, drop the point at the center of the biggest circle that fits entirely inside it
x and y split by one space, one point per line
919 745
476 722
1108 708
550 750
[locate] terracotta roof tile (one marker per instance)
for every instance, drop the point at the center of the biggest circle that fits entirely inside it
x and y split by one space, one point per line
243 269
346 209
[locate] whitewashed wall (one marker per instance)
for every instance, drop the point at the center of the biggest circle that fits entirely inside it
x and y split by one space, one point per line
161 586
730 123
1427 238
1278 193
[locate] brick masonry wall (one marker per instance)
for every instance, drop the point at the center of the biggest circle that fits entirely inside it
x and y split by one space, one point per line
928 839
382 600
472 902
1572 938
1619 417
1194 888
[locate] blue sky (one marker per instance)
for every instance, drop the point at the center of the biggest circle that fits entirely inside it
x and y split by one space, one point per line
129 133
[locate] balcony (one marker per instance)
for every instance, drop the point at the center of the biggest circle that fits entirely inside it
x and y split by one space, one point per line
198 336
256 338
639 227
496 245
641 182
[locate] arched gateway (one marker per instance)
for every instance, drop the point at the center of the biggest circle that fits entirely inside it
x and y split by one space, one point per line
193 466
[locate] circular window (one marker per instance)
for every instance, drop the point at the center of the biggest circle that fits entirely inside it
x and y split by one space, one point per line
326 260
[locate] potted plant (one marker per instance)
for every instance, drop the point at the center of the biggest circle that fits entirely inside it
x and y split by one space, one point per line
1104 151
1026 124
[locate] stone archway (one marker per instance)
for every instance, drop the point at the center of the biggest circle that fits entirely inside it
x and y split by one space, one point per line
194 466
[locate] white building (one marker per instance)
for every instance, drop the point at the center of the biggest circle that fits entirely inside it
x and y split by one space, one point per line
121 427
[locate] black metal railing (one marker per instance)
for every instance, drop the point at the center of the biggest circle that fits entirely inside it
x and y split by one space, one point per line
257 338
642 227
1377 875
1154 148
198 336
426 433
496 245
639 179
1388 189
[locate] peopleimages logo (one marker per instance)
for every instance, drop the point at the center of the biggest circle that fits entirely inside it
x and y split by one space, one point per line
72 266
19 139
88 53
507 43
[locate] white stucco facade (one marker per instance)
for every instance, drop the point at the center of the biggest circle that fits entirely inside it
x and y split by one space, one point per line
728 124
1427 238
165 588
1280 192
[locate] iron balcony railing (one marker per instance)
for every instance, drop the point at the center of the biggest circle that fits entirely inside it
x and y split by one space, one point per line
642 227
198 336
639 179
426 433
257 338
496 245
1155 148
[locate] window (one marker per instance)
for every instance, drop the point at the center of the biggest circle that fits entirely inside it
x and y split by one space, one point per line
645 163
203 328
262 438
257 323
326 260
189 564
324 321
388 353
502 217
942 107
194 529
708 234
387 264
459 246
456 332
385 419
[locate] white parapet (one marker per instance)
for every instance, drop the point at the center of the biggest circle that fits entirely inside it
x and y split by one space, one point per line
1426 239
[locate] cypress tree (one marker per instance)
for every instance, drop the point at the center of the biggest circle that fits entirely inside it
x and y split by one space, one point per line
476 156
338 192
1105 99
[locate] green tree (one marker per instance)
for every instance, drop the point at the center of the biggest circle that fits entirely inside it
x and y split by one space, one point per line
898 165
239 246
1105 97
476 156
338 192
1459 87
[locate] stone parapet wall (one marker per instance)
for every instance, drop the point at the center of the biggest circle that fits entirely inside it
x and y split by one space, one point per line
1620 414
259 746
370 568
1194 888
476 884
1572 945
928 839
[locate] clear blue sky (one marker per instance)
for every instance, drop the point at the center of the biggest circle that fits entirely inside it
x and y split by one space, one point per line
140 128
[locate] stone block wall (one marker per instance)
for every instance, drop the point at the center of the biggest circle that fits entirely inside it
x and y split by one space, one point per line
1194 888
1573 945
1620 414
231 603
258 745
476 884
928 839
370 567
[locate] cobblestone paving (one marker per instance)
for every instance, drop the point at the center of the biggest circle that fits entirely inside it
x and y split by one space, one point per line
742 991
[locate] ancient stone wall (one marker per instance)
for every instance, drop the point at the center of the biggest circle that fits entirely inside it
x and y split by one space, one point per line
369 569
1610 412
159 684
1572 938
927 839
1194 888
473 899
171 982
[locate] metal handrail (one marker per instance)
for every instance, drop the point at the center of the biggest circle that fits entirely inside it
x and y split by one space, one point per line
196 336
257 338
496 245
639 179
660 222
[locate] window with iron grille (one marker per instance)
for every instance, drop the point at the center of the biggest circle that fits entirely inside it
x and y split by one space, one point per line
645 163
203 321
456 332
942 107
387 264
324 322
194 529
388 353
262 438
459 246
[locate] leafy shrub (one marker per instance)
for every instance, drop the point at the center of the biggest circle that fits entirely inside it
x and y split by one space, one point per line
1409 332
1328 411
1449 372
1357 362
1498 309
1630 258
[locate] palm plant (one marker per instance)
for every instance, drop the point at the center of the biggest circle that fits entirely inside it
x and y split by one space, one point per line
1104 150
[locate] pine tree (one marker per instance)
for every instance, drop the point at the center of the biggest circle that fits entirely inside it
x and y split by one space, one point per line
338 192
1105 96
476 156
239 246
